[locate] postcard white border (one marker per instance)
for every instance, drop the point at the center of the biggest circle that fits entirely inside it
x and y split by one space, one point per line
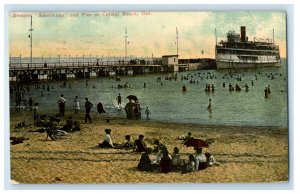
165 7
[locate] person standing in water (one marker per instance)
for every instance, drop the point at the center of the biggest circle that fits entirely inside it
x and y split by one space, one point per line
61 105
247 87
147 112
76 105
30 102
266 92
209 108
88 107
183 88
119 99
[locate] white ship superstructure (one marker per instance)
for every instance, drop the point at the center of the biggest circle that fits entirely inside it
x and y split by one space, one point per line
238 52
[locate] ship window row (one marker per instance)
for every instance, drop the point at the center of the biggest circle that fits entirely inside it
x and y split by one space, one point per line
246 46
247 52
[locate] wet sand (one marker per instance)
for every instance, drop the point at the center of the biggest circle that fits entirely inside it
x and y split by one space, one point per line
246 154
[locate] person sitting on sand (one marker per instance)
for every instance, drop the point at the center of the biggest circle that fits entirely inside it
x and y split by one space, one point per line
165 162
145 163
186 138
200 160
55 118
127 145
76 126
41 121
139 144
159 148
210 160
69 124
190 166
52 129
107 141
177 162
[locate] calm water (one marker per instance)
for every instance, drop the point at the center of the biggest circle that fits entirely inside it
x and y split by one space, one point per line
168 103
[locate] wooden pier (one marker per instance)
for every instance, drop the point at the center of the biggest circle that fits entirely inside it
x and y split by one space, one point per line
62 71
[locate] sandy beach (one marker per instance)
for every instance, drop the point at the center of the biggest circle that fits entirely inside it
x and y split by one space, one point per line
246 154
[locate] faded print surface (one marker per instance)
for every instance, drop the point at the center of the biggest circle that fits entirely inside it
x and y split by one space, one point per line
103 55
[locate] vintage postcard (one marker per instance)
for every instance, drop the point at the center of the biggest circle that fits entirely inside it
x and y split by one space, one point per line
148 97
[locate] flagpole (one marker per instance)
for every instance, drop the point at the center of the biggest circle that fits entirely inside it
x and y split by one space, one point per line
125 44
177 39
31 40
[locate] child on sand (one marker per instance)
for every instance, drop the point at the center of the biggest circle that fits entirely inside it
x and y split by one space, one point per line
210 160
190 166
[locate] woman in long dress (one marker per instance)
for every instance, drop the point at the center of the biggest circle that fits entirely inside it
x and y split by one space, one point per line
76 105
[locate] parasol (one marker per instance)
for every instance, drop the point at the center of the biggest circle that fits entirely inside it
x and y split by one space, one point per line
132 97
197 143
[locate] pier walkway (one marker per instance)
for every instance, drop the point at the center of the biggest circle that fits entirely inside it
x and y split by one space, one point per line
62 71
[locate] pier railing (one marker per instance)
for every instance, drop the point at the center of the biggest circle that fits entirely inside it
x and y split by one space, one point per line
72 62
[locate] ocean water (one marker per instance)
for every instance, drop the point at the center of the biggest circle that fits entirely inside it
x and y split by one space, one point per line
167 102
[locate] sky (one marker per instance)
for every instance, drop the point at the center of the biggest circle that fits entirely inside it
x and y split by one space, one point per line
149 33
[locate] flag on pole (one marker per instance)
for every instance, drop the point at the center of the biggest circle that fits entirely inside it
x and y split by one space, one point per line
176 31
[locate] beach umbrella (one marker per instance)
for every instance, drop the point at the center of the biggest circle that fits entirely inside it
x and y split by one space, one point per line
197 143
132 97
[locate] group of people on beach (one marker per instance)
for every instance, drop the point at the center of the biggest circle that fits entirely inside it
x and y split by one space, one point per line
53 126
53 122
132 108
164 162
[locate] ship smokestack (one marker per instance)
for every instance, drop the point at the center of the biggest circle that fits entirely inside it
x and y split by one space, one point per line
243 34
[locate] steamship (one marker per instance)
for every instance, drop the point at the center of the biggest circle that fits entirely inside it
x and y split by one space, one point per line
238 52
